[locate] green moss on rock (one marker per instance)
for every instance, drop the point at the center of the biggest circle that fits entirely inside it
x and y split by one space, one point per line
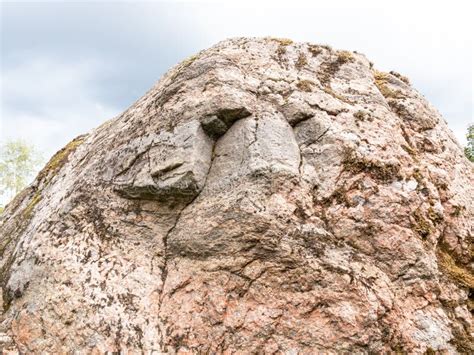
460 273
315 50
380 171
27 212
59 160
421 225
301 62
305 85
282 41
381 81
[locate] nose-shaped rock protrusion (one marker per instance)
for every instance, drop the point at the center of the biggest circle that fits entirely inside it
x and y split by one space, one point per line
174 168
215 125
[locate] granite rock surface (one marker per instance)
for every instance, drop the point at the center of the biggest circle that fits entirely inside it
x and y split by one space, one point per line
264 196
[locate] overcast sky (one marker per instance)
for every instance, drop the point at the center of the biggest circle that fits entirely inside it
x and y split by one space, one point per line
67 67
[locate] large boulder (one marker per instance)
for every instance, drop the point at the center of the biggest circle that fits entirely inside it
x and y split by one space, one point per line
265 196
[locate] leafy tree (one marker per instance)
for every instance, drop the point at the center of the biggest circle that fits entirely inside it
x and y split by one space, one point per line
18 163
469 150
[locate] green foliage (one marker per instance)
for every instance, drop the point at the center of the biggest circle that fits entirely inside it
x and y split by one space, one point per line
469 150
19 161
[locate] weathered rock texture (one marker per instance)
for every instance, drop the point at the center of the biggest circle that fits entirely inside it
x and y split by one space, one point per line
265 196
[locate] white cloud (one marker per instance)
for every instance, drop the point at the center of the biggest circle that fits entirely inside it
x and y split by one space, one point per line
47 103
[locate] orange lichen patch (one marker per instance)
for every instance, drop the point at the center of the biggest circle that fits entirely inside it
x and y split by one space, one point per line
26 327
